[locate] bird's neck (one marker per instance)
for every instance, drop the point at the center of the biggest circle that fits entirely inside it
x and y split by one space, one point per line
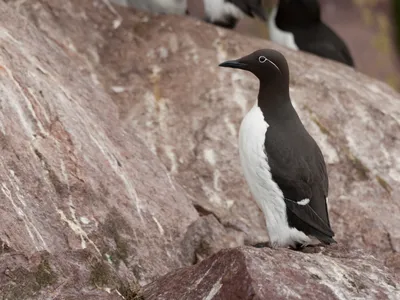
274 101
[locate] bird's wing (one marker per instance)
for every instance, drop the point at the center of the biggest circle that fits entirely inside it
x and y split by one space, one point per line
293 175
324 42
251 7
328 50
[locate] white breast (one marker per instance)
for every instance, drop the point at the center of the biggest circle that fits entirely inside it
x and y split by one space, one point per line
157 6
258 176
279 36
218 10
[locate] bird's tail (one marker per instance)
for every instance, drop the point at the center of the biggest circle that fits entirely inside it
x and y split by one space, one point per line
324 238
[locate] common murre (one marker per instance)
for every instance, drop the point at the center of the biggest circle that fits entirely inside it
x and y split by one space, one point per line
297 25
282 163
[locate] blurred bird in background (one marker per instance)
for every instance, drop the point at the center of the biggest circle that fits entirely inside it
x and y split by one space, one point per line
227 13
354 32
173 7
224 13
297 24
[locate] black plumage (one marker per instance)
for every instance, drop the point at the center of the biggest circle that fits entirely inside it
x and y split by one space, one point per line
251 8
298 168
302 18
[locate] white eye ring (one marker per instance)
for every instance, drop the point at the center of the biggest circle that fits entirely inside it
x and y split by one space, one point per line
262 59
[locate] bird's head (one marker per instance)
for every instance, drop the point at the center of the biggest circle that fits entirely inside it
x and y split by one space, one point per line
298 12
268 65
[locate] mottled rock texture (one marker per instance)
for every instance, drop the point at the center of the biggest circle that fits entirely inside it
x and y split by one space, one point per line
71 176
65 275
119 135
250 274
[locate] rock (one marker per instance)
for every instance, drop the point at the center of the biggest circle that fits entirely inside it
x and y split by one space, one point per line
207 236
249 273
68 274
93 89
168 88
72 177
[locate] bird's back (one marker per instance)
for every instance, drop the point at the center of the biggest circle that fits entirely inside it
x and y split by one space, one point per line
321 40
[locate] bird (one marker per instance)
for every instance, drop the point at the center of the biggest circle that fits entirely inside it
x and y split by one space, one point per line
297 25
176 7
282 164
227 13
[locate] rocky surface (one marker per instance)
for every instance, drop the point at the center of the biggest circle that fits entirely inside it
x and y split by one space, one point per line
188 112
251 274
71 176
119 135
65 275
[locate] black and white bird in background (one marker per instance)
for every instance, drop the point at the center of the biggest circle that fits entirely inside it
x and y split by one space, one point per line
297 25
172 7
224 13
227 13
282 163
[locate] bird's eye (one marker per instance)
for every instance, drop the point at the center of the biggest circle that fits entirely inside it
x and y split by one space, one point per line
262 59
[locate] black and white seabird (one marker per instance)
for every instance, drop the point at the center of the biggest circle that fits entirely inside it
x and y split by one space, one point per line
174 7
227 13
282 163
297 24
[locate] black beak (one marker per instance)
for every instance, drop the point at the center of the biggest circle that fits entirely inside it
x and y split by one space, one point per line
235 64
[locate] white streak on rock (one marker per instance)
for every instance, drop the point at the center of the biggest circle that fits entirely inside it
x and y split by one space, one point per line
28 224
213 196
84 220
216 176
172 157
118 89
160 228
25 121
77 229
198 281
209 156
230 203
163 52
119 172
171 182
214 290
231 127
117 22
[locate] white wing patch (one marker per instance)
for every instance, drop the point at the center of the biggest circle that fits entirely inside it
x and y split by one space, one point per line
304 201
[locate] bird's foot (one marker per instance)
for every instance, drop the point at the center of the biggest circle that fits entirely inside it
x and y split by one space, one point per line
307 248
